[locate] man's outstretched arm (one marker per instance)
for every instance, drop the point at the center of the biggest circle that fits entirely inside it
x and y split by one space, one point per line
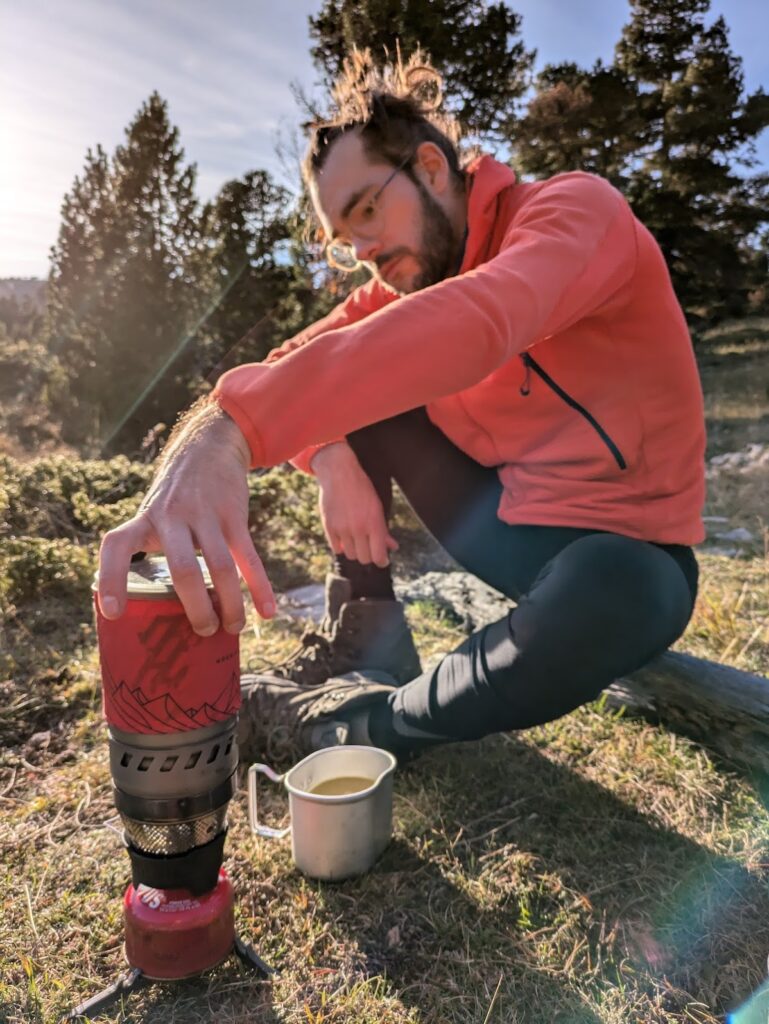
198 499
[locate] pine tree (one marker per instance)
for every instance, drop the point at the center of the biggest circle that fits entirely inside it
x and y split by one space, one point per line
128 282
80 295
579 120
700 129
668 123
249 225
148 290
476 46
162 261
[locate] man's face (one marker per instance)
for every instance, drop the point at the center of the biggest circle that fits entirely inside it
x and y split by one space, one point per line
415 243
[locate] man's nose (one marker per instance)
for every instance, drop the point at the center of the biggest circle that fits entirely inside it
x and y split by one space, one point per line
366 249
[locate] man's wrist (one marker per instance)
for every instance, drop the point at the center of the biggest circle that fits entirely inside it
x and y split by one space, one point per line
330 457
206 418
225 427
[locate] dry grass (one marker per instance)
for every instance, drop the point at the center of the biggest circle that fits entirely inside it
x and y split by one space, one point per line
733 362
597 870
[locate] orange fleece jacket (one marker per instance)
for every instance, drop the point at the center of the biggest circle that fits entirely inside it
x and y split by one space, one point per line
558 354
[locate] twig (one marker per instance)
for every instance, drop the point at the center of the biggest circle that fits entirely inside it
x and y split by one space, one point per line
42 880
491 831
493 999
753 636
496 811
48 829
31 912
728 649
11 784
741 598
83 804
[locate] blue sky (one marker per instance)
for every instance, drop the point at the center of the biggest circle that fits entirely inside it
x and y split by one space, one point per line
74 72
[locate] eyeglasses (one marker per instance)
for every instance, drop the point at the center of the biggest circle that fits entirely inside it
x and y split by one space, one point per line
365 221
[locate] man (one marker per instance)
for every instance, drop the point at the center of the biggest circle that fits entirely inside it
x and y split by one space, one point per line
519 364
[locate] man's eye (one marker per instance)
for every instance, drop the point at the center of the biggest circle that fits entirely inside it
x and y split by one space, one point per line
368 210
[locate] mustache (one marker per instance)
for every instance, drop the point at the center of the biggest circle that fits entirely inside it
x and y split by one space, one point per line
385 258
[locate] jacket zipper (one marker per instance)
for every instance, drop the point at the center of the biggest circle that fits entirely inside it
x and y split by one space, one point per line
532 364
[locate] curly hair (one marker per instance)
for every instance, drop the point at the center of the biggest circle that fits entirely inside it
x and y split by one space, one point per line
395 108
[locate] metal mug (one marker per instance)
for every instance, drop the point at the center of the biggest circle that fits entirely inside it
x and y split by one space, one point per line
333 837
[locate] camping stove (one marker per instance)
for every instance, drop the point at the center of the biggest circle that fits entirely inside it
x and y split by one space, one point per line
171 700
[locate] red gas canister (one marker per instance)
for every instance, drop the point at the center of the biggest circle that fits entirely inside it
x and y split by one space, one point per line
171 934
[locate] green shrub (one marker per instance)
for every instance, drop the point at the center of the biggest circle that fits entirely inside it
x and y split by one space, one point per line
35 567
54 510
58 496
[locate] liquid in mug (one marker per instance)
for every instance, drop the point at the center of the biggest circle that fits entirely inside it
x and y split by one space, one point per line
342 785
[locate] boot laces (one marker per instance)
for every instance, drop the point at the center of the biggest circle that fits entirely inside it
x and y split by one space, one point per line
314 650
320 653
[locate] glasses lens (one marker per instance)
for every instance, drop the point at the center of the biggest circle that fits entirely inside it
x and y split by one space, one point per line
341 256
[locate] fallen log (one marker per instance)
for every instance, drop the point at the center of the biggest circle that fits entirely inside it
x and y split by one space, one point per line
724 708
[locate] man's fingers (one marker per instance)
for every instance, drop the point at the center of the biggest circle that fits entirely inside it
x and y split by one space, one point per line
224 576
362 549
378 547
392 543
350 546
115 553
333 538
188 580
251 569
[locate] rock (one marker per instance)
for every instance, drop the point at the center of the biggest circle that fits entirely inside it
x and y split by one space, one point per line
752 457
739 535
470 600
303 602
464 596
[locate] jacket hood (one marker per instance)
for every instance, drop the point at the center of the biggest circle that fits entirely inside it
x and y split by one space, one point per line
488 177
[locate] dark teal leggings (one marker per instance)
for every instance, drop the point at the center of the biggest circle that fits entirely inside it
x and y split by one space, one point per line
592 606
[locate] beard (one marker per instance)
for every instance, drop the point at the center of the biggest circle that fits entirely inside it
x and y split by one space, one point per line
438 250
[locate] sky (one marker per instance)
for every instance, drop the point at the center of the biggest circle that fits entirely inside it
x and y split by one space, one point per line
73 73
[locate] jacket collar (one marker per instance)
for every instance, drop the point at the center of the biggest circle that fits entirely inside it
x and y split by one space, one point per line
487 178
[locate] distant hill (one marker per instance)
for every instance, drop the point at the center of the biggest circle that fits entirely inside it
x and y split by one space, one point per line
24 290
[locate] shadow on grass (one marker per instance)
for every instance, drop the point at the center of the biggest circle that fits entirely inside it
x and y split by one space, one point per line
505 865
527 870
224 995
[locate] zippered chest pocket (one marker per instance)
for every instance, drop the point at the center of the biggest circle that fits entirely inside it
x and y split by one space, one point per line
530 365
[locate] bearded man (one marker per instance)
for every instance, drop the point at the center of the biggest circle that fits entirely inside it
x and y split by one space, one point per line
518 363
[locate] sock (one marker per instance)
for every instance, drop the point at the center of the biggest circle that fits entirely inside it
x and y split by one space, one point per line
379 724
366 580
383 731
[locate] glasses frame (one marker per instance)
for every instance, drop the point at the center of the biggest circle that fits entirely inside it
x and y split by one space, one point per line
374 199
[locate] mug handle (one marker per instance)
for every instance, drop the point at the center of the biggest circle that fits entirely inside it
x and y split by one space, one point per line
265 831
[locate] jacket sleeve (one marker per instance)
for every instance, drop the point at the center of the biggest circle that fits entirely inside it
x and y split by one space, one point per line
569 250
357 305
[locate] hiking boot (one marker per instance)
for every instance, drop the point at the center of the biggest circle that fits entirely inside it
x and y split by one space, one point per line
361 634
282 720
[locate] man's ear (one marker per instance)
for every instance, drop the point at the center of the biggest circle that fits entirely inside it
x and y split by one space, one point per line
432 167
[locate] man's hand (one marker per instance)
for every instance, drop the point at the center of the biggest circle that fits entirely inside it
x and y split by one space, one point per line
198 499
352 513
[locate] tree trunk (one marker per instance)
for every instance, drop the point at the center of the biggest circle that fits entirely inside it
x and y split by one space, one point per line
724 708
